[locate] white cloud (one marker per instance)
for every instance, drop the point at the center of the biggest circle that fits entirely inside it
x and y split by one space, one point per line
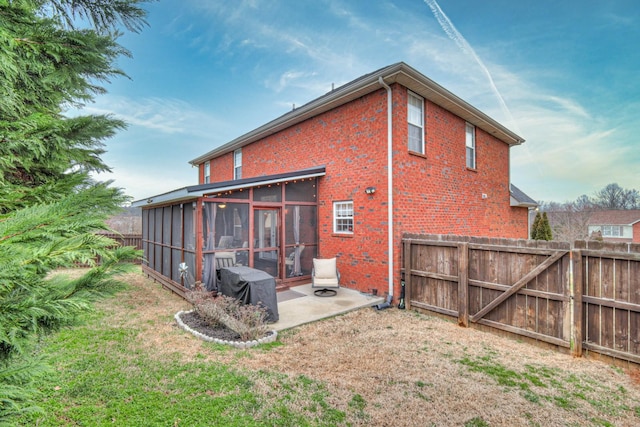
570 146
167 116
143 182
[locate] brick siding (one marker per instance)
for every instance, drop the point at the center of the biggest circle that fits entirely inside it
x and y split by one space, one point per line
434 193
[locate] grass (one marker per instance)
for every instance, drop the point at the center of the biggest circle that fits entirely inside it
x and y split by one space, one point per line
130 365
541 383
101 379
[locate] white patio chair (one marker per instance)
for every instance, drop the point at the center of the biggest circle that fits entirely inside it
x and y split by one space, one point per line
325 275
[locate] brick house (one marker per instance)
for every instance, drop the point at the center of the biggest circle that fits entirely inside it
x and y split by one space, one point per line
315 182
616 225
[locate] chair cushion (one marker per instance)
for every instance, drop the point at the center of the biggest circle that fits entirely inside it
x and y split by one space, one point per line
331 282
325 268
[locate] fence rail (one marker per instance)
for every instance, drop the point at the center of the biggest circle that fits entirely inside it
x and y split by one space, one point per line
127 239
134 240
586 297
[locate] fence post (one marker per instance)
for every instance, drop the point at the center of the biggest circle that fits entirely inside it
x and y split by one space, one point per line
463 284
576 287
407 273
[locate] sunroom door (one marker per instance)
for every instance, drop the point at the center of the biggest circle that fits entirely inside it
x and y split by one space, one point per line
266 232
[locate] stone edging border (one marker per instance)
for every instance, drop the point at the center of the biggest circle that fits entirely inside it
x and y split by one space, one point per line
237 344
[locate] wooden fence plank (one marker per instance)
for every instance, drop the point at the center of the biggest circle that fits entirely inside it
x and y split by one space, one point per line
634 333
621 280
576 293
621 332
463 284
408 261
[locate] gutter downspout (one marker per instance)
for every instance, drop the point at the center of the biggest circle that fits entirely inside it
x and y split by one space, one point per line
389 182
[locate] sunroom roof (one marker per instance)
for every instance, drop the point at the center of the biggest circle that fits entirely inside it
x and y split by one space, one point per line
195 191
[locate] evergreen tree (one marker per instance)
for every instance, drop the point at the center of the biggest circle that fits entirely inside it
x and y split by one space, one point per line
535 227
541 229
50 207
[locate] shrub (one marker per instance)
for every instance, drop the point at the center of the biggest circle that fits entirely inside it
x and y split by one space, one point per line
202 300
248 321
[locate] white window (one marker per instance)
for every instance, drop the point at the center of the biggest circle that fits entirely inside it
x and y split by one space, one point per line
611 231
207 172
343 217
470 131
237 164
415 117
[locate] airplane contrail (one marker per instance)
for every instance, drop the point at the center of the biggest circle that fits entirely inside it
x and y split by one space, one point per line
462 43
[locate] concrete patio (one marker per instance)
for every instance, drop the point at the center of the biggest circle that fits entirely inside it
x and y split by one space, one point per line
298 305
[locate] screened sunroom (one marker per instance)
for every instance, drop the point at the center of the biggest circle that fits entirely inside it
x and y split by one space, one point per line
268 223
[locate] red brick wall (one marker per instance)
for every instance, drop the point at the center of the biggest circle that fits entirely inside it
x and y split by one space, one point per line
437 193
434 193
221 169
636 232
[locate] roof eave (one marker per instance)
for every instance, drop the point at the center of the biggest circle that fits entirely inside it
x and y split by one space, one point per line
179 195
517 204
424 86
397 73
194 192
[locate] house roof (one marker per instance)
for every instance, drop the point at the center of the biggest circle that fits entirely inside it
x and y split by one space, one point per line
519 198
396 73
615 217
194 191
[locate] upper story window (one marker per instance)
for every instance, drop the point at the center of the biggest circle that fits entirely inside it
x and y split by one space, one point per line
237 164
343 217
207 172
470 131
415 117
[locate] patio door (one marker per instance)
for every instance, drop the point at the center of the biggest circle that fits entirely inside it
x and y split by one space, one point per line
266 233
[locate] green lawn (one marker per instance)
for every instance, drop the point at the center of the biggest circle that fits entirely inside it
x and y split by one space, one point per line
100 378
130 365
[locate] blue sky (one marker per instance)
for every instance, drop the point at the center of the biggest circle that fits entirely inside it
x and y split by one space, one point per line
562 74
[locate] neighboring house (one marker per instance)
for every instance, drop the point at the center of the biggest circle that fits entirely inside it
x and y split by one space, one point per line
343 176
521 200
616 225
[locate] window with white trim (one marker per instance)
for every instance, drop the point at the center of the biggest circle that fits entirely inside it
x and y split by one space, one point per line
237 164
470 131
207 172
343 217
415 118
611 231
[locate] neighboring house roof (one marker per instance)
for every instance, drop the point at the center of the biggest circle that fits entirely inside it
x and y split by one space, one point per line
396 73
615 217
519 198
195 191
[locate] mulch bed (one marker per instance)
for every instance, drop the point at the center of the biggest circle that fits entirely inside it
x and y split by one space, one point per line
193 320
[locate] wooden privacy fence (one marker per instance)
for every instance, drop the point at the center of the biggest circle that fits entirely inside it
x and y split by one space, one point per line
586 297
134 240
